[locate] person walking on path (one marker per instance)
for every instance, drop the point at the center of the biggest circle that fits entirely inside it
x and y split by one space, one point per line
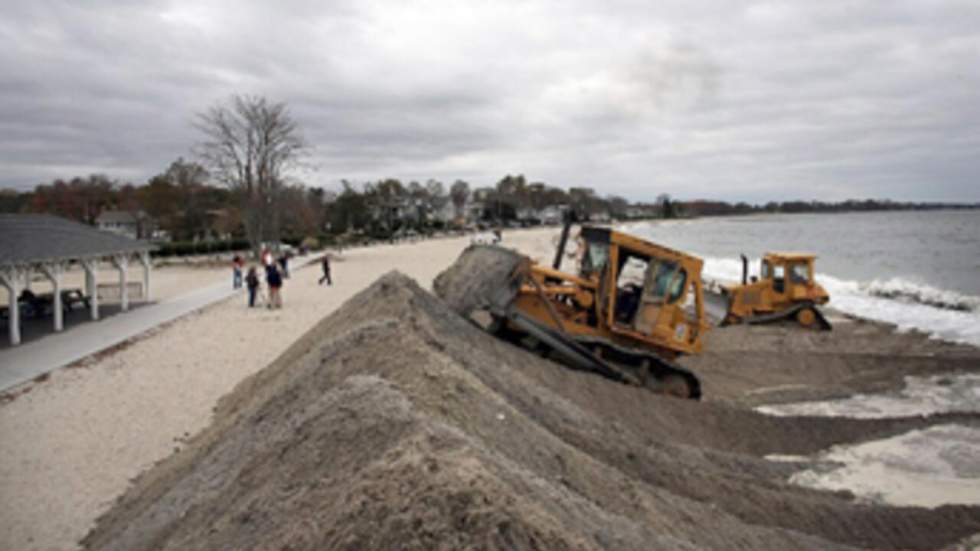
252 281
284 264
236 270
325 264
274 279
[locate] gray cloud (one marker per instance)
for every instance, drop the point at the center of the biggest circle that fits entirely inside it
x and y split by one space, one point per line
759 100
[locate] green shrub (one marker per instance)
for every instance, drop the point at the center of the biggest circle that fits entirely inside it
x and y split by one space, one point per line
188 248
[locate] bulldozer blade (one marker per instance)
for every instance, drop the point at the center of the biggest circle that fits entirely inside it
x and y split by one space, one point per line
484 277
716 306
822 320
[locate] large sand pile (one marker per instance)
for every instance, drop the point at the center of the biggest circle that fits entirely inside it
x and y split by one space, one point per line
394 423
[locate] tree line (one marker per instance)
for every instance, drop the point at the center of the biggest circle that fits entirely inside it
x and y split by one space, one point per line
242 185
702 207
184 201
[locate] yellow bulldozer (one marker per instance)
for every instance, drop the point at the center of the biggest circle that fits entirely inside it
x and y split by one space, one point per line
632 308
785 290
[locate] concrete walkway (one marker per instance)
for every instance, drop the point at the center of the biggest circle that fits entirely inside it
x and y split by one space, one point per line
23 363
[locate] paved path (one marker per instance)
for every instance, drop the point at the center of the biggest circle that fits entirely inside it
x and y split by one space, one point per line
23 363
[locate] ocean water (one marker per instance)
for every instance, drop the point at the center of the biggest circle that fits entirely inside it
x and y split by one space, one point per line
919 270
927 468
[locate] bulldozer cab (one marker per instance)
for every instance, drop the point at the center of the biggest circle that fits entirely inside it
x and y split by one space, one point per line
786 289
646 292
790 275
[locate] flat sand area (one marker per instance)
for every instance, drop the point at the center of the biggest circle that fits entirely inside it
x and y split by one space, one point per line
72 443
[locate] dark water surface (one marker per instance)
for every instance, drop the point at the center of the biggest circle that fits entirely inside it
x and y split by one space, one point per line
936 248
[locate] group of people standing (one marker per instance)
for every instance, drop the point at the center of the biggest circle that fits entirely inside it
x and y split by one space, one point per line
275 271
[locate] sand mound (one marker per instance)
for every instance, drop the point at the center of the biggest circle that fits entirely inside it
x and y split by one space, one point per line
394 423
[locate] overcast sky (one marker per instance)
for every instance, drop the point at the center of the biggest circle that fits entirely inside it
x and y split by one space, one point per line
730 100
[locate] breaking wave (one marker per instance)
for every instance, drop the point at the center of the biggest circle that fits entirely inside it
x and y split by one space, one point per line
943 314
906 291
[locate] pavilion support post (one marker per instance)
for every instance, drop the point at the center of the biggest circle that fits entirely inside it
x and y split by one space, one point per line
27 278
91 287
10 279
145 261
121 262
53 272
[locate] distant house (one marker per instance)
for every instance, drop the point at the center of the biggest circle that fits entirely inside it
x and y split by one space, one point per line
528 214
136 225
445 213
599 215
552 214
474 211
641 211
398 210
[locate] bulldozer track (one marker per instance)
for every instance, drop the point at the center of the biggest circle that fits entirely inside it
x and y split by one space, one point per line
612 361
644 365
791 313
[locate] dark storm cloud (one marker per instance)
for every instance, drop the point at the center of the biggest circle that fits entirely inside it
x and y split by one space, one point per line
757 100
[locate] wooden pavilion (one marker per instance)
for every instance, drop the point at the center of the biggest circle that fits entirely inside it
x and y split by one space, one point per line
38 243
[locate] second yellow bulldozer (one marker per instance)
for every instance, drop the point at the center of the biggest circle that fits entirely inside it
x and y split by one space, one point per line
629 311
785 290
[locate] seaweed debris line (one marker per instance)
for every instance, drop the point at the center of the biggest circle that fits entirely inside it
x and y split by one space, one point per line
396 424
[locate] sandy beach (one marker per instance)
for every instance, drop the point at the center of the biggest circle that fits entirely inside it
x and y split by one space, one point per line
73 443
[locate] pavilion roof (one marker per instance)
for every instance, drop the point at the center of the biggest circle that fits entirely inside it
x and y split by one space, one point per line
35 238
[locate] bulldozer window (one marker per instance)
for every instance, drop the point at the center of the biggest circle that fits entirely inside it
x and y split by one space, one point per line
799 273
778 278
665 281
766 271
596 257
677 285
629 284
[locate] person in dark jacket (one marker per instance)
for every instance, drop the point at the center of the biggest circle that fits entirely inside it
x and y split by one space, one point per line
274 279
325 264
252 281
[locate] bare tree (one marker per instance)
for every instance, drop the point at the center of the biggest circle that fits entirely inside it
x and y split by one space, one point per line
435 195
459 192
250 144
